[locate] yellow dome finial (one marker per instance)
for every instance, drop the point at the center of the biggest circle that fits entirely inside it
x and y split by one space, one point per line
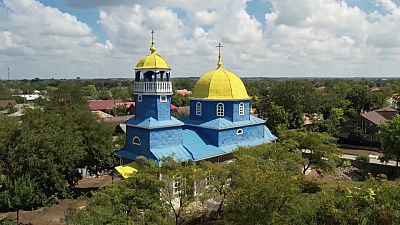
219 63
153 46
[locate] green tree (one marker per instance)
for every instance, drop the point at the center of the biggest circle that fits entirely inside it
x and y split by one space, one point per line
20 193
216 179
332 124
296 97
358 135
276 116
93 135
96 137
319 149
265 184
390 138
49 150
120 93
91 90
68 94
363 100
372 202
4 91
104 95
179 187
10 131
132 201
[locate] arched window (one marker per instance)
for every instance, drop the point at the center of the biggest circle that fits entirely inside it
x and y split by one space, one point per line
220 109
137 77
198 109
163 98
149 76
241 109
239 132
136 141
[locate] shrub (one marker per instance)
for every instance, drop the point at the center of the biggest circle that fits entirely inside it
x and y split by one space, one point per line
346 163
363 158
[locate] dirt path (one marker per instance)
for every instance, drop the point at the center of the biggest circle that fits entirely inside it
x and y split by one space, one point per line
55 214
360 152
43 216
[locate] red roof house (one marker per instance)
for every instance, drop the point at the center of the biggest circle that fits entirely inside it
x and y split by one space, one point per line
108 104
183 92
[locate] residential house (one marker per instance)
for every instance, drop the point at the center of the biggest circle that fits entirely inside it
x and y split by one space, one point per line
369 123
184 92
107 105
394 101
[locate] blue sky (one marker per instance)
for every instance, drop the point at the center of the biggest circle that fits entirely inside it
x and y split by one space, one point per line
101 38
256 8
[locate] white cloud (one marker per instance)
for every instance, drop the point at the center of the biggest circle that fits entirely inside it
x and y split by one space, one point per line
129 27
37 40
205 17
302 37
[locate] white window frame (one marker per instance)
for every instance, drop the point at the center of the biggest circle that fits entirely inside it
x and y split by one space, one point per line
241 109
198 109
140 98
176 185
239 132
136 143
207 180
220 109
163 100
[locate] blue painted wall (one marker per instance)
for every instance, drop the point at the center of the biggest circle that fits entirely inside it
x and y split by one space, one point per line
229 136
153 138
250 133
166 137
151 106
209 136
209 110
144 136
236 116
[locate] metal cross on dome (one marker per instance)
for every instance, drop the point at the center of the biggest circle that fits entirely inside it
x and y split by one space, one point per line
152 35
219 46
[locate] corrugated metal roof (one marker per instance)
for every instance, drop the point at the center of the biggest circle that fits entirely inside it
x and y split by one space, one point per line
126 171
178 153
374 117
150 123
222 123
118 119
197 146
220 84
107 104
152 61
386 109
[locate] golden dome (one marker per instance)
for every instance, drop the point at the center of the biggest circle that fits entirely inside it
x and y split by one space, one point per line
220 84
152 61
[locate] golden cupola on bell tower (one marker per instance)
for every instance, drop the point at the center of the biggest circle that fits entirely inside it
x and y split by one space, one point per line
152 73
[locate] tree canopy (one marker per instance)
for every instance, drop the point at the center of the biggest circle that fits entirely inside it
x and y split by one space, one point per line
390 136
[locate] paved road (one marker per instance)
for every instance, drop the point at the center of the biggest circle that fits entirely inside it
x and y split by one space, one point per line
353 157
371 160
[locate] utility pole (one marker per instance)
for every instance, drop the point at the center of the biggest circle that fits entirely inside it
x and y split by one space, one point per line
8 72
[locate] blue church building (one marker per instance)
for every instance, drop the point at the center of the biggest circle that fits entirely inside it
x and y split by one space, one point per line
219 122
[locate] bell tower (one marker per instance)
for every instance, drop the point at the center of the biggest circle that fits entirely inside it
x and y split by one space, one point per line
152 132
153 87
